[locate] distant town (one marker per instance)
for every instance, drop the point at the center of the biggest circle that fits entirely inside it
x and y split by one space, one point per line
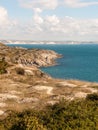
46 42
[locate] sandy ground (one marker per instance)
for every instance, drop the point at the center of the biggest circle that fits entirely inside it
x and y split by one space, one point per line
46 88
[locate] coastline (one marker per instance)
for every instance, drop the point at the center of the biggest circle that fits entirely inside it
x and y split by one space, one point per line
26 86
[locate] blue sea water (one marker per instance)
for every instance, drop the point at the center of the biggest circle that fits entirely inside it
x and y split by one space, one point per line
78 62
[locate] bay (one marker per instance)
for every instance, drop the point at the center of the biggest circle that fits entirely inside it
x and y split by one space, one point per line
78 61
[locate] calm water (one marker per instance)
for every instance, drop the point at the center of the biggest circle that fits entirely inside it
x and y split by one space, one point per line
78 62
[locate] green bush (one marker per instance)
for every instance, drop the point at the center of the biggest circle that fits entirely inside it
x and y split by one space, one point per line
74 115
28 123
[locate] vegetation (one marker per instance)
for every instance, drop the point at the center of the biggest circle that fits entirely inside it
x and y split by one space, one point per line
3 66
92 97
74 115
20 71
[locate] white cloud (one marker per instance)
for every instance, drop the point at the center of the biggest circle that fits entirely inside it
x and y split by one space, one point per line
53 20
55 28
43 4
7 25
37 10
52 4
37 19
50 27
4 20
79 3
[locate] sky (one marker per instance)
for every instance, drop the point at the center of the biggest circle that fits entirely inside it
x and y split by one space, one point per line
49 20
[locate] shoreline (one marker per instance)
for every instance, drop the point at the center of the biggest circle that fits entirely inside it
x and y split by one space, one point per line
27 87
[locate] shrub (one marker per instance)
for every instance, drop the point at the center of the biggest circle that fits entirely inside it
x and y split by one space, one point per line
3 67
92 97
74 115
28 123
20 71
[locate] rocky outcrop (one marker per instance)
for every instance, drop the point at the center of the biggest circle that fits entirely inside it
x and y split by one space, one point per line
27 61
28 57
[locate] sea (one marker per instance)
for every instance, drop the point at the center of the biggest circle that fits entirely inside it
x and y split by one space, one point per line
79 61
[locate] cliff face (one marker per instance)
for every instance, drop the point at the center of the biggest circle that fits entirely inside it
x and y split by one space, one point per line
25 86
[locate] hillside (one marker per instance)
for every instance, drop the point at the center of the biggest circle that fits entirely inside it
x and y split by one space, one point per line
24 86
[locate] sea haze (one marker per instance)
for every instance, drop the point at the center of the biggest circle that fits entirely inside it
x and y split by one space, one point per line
78 62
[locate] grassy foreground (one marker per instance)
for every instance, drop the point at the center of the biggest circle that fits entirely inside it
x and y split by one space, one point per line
74 115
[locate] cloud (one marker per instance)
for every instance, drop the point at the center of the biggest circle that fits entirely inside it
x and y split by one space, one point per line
67 28
43 4
7 25
53 20
79 3
37 19
4 20
47 27
37 10
51 27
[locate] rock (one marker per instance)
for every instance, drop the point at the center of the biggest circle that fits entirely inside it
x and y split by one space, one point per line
29 72
2 104
1 112
28 100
